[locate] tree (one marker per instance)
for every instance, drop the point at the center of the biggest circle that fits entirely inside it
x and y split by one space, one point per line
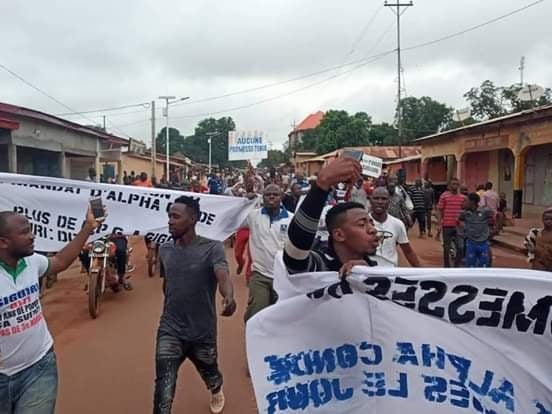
197 146
275 158
423 116
485 101
336 130
176 141
489 101
383 134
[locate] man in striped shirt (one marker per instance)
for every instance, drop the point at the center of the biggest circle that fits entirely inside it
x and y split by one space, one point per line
451 204
417 194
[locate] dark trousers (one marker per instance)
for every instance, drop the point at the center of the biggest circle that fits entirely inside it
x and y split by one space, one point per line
170 353
450 235
420 217
428 217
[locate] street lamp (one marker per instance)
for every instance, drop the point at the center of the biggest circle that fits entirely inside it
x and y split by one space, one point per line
169 100
210 135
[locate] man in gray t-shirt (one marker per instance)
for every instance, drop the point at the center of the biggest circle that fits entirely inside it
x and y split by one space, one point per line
193 267
476 223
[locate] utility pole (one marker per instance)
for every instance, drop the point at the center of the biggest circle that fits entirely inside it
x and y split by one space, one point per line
396 8
210 135
521 70
169 100
153 143
104 123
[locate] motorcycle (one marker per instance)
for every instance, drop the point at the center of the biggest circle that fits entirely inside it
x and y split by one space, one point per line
102 273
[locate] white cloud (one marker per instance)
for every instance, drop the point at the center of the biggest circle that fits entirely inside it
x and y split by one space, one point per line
102 54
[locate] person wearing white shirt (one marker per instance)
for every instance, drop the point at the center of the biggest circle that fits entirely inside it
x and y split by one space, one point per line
392 232
268 229
28 369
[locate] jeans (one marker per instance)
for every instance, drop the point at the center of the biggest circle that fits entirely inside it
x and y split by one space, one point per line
261 294
170 353
420 216
477 253
450 235
31 391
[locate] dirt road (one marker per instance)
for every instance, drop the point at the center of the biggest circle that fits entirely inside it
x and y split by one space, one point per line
107 365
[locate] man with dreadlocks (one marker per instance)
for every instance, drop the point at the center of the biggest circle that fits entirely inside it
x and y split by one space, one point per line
193 267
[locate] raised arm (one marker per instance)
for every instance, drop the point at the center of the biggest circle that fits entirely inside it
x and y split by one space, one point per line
71 251
302 229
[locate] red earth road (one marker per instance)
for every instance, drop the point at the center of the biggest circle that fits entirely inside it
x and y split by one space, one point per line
107 365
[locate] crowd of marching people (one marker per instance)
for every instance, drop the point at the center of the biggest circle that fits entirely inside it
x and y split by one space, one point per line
330 222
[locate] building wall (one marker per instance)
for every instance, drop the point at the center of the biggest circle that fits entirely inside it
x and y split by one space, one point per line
38 134
476 169
413 170
538 176
138 165
437 170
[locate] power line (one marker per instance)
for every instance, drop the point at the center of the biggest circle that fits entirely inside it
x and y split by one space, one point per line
472 28
26 82
146 105
364 31
273 98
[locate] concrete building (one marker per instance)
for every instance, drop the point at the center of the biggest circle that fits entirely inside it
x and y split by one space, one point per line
514 152
309 123
36 143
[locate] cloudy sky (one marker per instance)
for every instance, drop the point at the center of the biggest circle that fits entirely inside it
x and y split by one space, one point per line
100 54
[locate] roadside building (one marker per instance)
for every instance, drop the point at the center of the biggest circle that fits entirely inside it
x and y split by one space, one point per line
37 143
389 154
514 152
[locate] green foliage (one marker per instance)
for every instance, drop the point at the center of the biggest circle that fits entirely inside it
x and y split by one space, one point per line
489 101
275 158
196 146
423 116
176 141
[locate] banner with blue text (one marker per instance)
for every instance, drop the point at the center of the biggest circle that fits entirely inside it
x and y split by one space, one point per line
56 209
389 341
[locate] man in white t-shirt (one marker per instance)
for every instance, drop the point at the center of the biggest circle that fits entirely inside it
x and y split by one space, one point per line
268 229
28 371
392 232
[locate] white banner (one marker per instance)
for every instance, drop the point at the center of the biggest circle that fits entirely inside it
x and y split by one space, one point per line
247 145
371 166
56 209
393 341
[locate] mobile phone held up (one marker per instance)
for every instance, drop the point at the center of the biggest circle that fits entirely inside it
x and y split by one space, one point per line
97 208
354 154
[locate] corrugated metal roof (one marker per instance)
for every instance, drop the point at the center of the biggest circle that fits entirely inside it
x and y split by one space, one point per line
310 122
10 111
487 122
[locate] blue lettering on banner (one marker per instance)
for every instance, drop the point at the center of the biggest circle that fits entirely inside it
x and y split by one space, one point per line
323 373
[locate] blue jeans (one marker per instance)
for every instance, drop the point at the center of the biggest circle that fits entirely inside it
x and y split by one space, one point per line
31 391
477 253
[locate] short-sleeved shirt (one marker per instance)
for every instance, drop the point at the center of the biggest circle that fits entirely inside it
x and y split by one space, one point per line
24 335
476 224
394 233
189 311
417 194
451 206
490 199
267 236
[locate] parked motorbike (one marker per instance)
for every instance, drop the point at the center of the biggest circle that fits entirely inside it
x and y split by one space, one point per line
103 272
